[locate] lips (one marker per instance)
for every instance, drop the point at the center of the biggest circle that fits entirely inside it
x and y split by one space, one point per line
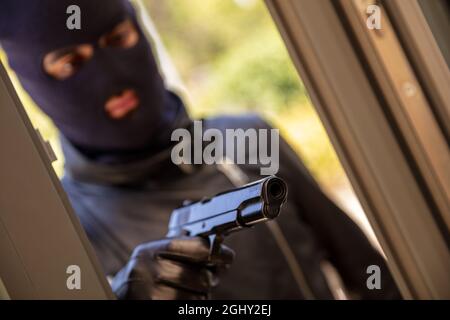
119 106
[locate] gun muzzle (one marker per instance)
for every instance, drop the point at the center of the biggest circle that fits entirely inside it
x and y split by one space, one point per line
273 193
230 211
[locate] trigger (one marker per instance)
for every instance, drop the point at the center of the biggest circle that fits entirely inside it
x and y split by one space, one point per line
214 245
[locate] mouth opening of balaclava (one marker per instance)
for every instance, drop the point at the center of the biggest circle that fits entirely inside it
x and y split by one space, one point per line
31 29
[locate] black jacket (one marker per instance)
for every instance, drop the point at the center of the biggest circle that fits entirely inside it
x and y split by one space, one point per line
122 206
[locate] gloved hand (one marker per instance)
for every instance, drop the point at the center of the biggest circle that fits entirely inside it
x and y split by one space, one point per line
178 268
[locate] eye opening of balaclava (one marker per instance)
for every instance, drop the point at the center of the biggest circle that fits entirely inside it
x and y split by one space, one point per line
76 104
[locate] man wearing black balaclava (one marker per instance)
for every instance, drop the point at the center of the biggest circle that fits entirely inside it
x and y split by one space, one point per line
102 88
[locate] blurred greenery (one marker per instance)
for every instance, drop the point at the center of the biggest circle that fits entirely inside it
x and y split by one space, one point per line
232 60
228 54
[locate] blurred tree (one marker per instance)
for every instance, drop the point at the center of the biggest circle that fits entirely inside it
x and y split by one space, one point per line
233 60
228 54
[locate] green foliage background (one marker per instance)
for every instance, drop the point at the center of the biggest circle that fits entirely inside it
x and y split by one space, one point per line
233 60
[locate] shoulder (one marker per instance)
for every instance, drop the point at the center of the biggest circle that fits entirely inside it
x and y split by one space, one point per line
245 121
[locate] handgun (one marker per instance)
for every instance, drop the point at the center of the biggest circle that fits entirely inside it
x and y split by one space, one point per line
230 211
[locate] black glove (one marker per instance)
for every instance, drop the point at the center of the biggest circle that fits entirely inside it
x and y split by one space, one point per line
178 268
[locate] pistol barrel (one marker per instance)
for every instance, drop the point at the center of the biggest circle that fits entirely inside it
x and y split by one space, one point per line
232 210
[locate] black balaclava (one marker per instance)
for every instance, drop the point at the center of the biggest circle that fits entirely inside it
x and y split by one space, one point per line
31 29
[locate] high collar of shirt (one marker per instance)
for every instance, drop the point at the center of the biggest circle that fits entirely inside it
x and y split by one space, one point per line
135 169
